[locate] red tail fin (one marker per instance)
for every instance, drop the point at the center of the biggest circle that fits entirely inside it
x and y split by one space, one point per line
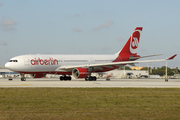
132 44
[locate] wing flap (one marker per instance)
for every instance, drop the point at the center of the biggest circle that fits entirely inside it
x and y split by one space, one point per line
133 58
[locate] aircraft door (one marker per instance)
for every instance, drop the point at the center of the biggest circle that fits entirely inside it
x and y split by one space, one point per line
26 61
92 60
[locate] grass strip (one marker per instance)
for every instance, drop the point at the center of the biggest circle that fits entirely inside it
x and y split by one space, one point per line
89 103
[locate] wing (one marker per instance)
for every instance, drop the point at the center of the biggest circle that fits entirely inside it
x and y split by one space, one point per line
118 64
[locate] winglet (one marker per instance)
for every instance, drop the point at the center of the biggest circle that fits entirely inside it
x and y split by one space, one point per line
172 57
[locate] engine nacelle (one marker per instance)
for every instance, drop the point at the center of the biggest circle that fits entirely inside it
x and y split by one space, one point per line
38 75
80 73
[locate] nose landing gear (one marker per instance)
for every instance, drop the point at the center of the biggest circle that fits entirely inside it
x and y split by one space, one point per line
22 77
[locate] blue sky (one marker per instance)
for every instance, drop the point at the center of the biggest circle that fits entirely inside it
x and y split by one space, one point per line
89 27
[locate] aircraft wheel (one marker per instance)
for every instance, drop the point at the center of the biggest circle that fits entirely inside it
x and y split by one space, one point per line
65 78
23 79
69 78
61 78
90 78
94 78
86 79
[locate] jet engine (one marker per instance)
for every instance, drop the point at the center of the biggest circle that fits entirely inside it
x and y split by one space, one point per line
38 75
80 72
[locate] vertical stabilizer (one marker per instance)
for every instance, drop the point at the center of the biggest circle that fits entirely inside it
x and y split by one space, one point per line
131 46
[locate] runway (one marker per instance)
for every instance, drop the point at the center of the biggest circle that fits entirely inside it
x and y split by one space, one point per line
100 83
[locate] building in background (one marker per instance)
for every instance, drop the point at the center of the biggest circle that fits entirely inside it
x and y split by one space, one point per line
123 74
6 73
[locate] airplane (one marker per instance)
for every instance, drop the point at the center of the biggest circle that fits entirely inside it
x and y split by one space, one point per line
79 66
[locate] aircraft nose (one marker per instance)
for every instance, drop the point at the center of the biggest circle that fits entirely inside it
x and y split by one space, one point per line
7 65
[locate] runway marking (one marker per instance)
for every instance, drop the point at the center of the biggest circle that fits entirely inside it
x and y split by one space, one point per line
17 85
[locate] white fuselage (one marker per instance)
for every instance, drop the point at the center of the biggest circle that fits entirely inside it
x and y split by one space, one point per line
49 63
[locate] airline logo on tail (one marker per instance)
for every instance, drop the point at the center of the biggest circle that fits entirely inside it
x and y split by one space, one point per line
134 41
132 44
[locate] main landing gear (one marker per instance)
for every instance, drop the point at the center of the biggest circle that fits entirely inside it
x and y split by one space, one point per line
65 78
91 78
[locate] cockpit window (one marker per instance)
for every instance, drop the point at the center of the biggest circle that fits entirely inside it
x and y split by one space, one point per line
13 61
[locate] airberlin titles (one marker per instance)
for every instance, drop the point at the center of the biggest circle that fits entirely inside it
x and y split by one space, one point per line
39 61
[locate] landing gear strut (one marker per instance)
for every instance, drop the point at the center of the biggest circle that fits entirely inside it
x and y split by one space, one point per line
65 78
90 78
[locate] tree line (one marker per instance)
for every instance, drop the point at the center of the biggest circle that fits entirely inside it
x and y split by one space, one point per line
158 71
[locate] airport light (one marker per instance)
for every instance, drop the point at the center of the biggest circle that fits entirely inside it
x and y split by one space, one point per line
166 79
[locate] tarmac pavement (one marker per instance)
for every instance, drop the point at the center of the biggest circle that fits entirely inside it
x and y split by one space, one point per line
100 83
